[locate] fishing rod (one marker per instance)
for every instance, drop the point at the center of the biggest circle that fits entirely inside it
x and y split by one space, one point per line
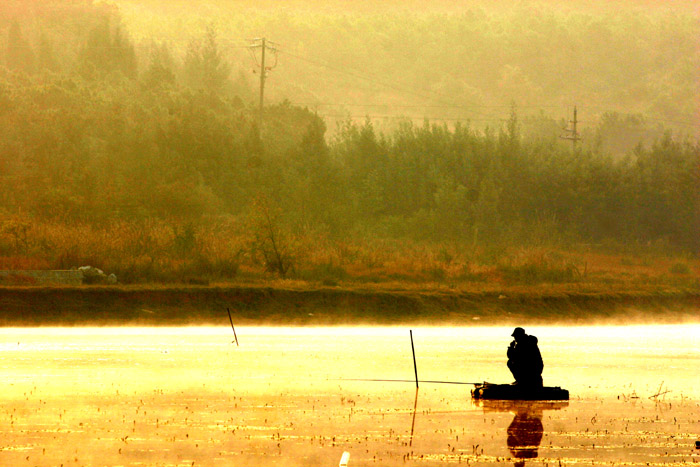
415 369
407 381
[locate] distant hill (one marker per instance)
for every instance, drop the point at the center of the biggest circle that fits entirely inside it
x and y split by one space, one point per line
455 60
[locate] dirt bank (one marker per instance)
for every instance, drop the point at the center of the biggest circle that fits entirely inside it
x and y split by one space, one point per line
263 305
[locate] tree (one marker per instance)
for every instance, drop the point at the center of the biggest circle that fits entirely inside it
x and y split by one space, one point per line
204 67
159 72
486 215
45 57
106 53
20 55
271 242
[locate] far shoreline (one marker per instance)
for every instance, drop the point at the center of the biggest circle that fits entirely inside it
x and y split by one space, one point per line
305 305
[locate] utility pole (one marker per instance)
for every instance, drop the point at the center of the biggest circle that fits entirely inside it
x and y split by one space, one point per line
263 45
574 136
263 72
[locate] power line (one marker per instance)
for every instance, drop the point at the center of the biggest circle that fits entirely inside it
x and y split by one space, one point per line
356 75
435 97
676 122
440 106
406 117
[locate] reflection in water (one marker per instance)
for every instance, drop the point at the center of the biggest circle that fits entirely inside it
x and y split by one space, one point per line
413 422
525 431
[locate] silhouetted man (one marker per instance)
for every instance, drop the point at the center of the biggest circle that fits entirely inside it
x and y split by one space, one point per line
525 360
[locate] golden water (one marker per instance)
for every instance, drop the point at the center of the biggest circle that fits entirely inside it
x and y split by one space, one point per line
189 396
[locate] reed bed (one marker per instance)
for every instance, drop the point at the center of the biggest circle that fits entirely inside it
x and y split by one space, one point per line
224 251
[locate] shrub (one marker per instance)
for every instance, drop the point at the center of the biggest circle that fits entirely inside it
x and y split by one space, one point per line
328 273
679 268
534 273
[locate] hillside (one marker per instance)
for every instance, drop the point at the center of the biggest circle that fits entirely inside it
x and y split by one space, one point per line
133 142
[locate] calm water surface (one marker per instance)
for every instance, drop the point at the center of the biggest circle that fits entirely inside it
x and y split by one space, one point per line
189 396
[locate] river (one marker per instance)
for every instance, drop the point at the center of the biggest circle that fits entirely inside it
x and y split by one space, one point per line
286 396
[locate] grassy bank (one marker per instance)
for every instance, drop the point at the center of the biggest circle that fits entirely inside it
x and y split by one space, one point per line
258 305
192 277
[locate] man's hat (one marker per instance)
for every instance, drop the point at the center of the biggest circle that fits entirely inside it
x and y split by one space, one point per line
518 332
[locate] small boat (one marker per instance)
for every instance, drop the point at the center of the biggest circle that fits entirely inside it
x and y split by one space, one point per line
517 406
516 392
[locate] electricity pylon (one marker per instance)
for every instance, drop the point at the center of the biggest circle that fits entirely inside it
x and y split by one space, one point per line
574 136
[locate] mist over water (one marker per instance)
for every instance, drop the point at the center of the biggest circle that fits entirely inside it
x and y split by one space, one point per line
173 396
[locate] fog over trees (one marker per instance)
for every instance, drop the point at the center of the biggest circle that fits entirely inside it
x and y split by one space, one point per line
433 124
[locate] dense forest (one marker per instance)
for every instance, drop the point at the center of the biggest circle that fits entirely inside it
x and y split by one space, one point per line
140 150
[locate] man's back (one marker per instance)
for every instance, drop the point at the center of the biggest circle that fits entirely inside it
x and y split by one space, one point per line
524 359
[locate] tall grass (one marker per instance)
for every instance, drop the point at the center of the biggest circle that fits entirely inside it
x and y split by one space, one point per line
538 266
219 251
